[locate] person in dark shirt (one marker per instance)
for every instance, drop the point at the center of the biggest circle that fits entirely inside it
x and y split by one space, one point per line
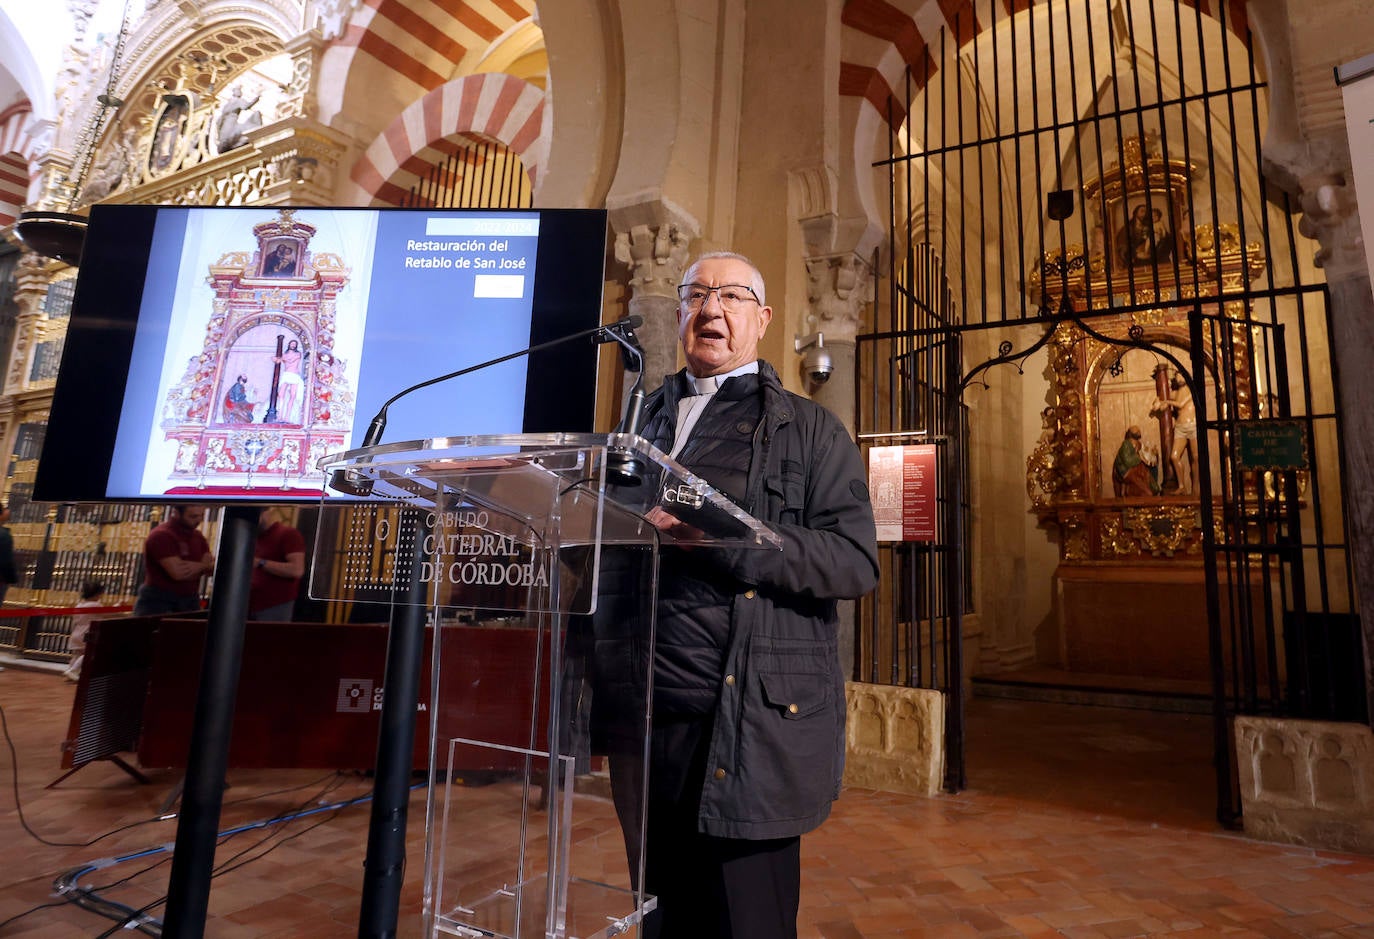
175 557
278 565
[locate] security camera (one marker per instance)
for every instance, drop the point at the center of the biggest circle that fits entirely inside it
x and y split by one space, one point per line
816 362
818 366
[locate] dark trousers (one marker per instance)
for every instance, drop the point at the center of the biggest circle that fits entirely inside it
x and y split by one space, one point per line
707 888
152 601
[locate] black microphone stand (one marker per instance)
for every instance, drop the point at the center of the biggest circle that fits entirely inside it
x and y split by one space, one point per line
624 467
385 860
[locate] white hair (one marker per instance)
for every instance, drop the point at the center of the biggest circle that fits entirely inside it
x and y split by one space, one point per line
757 278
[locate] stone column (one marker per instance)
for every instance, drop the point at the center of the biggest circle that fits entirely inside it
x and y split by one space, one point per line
839 293
1330 216
653 239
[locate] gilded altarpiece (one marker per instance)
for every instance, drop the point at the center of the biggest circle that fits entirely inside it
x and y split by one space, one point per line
245 145
1116 468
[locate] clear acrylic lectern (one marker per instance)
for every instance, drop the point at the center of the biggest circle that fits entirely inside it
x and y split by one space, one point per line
537 558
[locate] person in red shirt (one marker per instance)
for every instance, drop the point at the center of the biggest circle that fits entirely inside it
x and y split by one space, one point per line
278 565
175 557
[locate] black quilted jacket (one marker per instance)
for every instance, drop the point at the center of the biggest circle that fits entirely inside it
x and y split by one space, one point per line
750 633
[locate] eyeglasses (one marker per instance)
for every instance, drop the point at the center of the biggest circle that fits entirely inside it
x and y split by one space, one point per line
732 296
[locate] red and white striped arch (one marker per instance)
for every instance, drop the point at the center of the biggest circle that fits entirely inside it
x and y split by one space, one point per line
491 104
16 150
429 46
884 39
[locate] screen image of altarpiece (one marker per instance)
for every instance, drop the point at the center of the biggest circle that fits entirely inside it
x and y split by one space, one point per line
259 378
265 339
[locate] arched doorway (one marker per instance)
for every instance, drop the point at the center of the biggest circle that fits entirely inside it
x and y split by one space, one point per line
1084 245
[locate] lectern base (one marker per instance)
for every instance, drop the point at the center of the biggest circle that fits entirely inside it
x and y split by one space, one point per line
593 911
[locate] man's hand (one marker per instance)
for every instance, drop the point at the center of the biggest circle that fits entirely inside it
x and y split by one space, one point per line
672 526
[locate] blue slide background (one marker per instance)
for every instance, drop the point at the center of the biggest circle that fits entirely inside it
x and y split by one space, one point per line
423 323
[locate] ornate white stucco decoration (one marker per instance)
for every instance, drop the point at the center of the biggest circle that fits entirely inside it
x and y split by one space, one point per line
332 16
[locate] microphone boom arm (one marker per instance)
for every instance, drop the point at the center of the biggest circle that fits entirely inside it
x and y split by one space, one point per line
605 333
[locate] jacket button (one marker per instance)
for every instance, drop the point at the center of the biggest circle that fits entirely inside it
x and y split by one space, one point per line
720 773
748 594
791 709
729 679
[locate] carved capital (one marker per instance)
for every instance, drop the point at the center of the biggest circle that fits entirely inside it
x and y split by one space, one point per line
32 276
41 133
54 192
1329 216
839 289
657 257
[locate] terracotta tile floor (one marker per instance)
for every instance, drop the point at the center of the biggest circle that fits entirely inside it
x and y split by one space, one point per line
1079 821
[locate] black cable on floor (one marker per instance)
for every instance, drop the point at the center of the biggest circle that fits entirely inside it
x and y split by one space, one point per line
126 917
19 807
138 919
31 910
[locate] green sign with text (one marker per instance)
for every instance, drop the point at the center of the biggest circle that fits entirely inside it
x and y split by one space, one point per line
1271 445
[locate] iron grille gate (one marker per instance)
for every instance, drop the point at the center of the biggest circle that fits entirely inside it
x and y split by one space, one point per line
1095 215
473 173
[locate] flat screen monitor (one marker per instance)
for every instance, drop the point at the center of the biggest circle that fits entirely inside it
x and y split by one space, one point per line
215 354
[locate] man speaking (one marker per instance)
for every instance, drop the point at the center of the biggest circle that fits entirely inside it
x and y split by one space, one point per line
747 743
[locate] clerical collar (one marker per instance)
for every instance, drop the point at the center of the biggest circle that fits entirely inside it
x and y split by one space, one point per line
748 368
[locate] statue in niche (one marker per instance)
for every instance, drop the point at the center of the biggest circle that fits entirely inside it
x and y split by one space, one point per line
238 409
237 116
167 133
1178 427
1133 470
110 170
288 385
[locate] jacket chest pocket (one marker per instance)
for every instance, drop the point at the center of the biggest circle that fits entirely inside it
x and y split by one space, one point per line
786 494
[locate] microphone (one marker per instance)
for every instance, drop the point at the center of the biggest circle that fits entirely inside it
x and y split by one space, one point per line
624 467
621 331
